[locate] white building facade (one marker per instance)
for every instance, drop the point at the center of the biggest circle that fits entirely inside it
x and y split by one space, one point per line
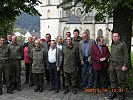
56 21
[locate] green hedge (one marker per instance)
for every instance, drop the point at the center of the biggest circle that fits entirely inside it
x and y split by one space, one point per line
130 75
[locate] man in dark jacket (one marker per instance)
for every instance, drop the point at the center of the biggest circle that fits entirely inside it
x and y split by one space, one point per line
16 55
118 65
54 64
39 57
70 52
86 60
4 65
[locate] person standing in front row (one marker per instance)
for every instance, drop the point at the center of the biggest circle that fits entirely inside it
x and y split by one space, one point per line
39 57
118 66
70 53
4 65
54 65
16 55
100 55
85 46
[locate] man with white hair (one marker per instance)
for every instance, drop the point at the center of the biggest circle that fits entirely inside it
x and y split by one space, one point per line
39 57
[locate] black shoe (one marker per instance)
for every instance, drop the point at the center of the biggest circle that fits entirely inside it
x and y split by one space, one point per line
12 86
26 82
56 91
121 96
0 91
37 88
51 89
74 90
41 89
66 90
31 84
18 87
112 95
48 83
9 91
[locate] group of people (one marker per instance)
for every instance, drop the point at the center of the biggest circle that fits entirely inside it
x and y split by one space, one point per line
75 63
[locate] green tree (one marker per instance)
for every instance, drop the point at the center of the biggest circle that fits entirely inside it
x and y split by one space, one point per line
120 10
10 9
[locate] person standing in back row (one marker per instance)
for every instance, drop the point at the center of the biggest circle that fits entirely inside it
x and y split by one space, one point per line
46 45
30 47
76 39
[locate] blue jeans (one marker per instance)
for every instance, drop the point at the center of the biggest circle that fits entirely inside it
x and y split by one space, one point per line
87 74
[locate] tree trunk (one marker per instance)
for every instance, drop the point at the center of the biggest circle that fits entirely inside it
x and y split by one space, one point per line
122 23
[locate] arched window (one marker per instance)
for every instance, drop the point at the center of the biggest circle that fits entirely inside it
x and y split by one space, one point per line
48 14
100 33
78 12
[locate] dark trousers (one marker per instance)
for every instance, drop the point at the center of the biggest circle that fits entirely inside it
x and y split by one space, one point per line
101 79
31 74
117 76
4 80
27 73
6 69
70 79
63 78
38 78
54 76
15 71
79 76
47 74
87 71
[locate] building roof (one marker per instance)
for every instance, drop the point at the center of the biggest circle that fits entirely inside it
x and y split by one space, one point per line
73 19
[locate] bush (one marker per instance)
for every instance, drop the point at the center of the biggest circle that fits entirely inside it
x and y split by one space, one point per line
130 75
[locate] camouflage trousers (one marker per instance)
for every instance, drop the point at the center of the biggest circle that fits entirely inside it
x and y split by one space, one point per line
117 76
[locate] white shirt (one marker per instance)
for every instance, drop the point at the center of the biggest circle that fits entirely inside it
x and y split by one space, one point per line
52 55
59 46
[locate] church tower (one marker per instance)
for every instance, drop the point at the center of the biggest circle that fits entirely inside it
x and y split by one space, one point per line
49 21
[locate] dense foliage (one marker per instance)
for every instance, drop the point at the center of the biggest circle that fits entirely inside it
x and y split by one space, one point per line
103 8
10 9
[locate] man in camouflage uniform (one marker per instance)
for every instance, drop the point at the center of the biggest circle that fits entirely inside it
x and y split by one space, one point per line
30 47
76 39
118 66
16 55
4 67
70 52
39 57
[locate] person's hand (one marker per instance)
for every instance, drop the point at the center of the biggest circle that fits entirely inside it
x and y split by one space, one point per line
102 59
124 68
58 68
47 67
82 62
